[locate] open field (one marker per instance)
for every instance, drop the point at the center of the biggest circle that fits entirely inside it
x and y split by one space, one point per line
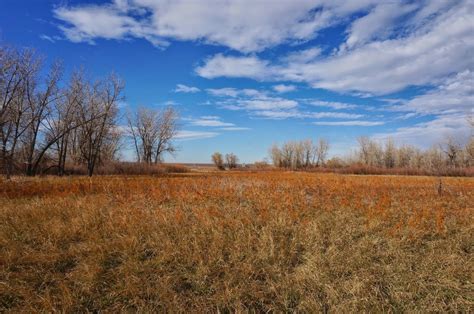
280 241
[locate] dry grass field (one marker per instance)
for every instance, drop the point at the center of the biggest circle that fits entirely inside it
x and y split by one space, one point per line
209 242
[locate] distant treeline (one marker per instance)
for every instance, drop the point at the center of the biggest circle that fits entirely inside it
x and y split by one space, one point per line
449 157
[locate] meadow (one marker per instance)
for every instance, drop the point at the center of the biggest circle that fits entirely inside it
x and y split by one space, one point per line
237 241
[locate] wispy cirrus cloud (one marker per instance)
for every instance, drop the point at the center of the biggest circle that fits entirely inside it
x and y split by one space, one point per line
349 123
235 128
262 104
184 135
51 39
209 121
331 104
181 88
235 92
214 122
298 114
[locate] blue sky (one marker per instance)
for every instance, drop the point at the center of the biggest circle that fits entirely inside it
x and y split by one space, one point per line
245 74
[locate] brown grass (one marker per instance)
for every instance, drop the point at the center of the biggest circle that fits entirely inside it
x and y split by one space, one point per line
228 241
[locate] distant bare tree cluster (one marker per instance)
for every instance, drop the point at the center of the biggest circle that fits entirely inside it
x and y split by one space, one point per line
47 122
300 154
447 155
221 162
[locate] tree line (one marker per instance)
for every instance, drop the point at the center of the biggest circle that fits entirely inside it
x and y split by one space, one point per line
449 154
48 122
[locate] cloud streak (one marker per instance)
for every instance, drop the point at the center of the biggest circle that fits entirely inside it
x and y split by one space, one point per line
181 88
186 135
349 123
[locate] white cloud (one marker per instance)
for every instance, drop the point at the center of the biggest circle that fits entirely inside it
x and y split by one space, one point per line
244 25
282 88
236 128
194 135
229 66
337 115
214 122
279 114
258 104
377 24
456 93
268 103
423 55
302 56
426 134
181 88
349 123
51 39
221 92
210 121
170 103
94 21
234 92
332 104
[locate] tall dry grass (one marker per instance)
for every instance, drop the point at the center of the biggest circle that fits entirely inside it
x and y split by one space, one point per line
237 241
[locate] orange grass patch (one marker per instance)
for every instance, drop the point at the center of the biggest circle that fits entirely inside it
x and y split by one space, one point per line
269 241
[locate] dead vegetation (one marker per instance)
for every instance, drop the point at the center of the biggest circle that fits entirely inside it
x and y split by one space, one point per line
268 241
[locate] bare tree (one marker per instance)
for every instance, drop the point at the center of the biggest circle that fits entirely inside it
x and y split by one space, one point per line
276 155
97 119
452 150
298 156
111 146
469 152
287 154
144 128
389 153
15 68
218 160
404 156
153 132
435 160
231 160
322 151
364 149
167 132
39 102
64 118
13 71
308 152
